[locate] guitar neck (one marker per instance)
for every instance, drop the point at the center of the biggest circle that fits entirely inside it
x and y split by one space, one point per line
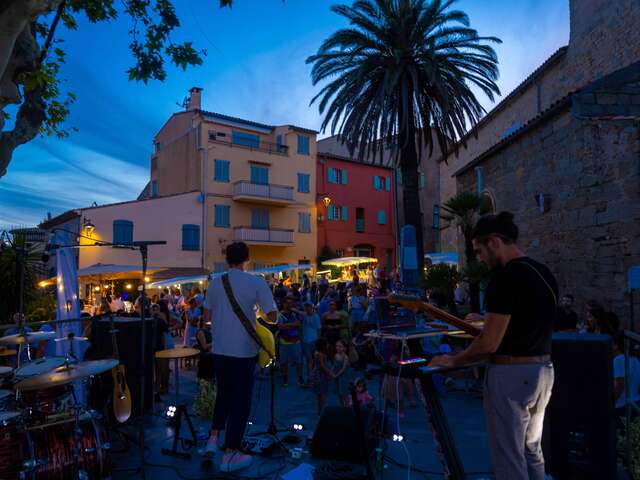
114 340
435 312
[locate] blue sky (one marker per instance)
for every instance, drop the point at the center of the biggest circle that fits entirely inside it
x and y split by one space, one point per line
254 69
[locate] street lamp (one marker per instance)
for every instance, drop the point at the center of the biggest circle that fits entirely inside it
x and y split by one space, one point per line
326 200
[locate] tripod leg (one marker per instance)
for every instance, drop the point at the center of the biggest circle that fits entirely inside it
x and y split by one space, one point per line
189 423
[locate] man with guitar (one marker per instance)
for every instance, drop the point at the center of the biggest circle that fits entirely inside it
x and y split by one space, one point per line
520 304
229 305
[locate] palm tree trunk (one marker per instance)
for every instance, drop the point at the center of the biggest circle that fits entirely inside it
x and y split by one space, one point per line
410 179
470 258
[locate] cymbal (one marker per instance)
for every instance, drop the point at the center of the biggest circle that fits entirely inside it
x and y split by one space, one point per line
66 374
180 352
29 337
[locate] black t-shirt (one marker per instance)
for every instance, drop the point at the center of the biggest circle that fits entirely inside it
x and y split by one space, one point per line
526 290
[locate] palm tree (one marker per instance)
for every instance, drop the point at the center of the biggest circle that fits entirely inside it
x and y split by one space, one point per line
400 76
463 210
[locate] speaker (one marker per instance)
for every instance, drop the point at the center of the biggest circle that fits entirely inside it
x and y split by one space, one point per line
128 336
579 431
336 436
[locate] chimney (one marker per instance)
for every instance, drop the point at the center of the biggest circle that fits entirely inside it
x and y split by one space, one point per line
194 98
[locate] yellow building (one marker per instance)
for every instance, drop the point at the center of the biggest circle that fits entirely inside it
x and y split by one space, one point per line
257 183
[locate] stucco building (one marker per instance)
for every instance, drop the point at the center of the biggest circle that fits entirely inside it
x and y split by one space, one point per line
360 219
257 183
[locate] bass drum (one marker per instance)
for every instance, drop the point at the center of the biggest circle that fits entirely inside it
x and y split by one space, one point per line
45 452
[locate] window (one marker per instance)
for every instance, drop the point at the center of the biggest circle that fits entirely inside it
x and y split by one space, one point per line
222 216
154 163
190 237
399 176
260 218
382 217
259 175
377 184
122 232
435 223
335 212
303 145
280 145
154 188
221 170
219 267
359 220
304 222
363 251
304 182
336 175
387 183
247 139
158 146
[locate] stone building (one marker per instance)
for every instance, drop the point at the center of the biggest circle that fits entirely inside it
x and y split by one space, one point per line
571 176
603 37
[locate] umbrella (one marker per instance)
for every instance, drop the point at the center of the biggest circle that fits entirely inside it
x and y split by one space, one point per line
108 271
348 261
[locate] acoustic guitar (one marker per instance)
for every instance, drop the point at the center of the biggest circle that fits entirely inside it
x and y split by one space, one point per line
408 301
121 394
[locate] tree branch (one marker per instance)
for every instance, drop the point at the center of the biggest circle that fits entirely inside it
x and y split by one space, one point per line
52 30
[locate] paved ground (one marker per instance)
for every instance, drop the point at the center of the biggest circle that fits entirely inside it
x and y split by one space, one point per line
297 405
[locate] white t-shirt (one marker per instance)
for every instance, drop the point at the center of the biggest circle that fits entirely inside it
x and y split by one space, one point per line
228 336
634 378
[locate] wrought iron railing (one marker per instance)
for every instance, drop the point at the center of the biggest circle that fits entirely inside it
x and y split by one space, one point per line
260 146
276 192
270 235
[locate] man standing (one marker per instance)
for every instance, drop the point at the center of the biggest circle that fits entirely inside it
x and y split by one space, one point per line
566 317
289 326
520 304
235 353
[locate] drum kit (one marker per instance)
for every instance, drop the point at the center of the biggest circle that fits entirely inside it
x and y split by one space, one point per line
45 433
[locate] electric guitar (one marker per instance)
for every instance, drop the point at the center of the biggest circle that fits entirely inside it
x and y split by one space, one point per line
121 394
414 302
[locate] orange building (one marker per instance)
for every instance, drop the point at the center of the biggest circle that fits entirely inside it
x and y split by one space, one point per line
257 183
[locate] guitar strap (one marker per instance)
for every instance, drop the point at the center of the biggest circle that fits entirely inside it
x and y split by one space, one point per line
246 323
553 294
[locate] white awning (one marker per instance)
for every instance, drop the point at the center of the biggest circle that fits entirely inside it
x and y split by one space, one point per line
348 261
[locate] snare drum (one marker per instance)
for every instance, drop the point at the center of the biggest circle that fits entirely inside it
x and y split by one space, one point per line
45 452
44 400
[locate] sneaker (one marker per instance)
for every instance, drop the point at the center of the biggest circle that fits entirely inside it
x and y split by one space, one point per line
235 461
212 445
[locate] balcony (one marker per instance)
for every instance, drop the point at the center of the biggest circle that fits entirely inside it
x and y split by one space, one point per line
278 195
260 146
258 236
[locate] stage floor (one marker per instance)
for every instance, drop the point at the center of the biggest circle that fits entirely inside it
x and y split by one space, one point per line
297 405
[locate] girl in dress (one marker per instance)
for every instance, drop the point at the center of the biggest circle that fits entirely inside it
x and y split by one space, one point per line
365 399
322 373
342 372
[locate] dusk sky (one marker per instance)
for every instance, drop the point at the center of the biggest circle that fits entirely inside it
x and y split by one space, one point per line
254 69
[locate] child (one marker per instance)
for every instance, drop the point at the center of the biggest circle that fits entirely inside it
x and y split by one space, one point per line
310 333
393 391
321 373
342 371
365 399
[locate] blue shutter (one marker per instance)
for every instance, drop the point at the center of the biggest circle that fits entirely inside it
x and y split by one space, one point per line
344 213
304 222
375 182
303 182
388 183
382 217
122 232
190 237
344 177
246 139
331 175
331 212
222 216
259 175
260 218
154 188
221 171
303 145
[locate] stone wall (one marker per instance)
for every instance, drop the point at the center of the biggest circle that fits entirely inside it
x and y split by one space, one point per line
586 159
604 37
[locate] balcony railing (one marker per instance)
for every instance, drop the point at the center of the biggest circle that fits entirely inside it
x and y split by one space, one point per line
258 235
261 146
268 191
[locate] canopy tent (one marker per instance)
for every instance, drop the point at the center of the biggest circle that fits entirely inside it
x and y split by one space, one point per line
348 261
450 258
203 278
107 271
